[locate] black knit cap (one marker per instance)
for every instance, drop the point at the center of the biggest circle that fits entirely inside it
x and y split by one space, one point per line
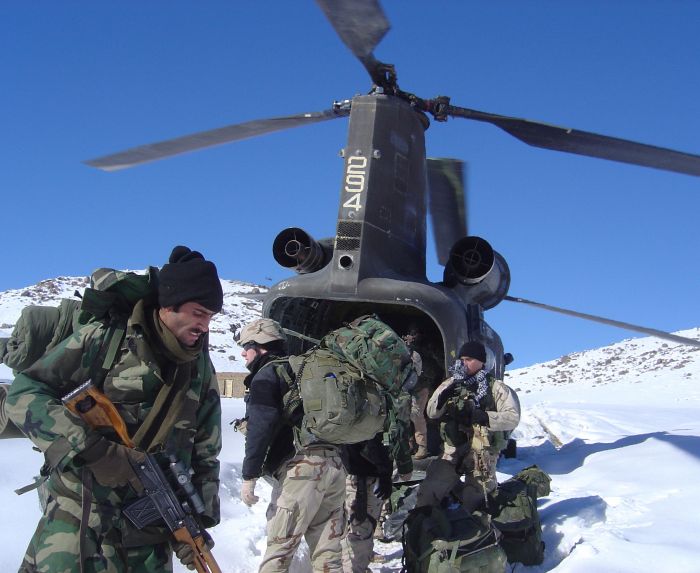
473 349
187 277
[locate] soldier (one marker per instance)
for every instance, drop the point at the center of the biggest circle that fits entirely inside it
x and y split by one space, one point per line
428 378
474 410
308 482
369 483
162 383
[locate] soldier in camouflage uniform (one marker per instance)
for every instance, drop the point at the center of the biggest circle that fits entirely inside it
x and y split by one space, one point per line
308 482
429 376
163 384
474 410
369 483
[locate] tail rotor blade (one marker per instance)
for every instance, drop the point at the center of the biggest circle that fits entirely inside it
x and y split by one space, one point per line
585 143
626 325
211 138
360 24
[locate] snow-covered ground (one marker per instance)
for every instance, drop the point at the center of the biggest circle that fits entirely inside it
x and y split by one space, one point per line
617 428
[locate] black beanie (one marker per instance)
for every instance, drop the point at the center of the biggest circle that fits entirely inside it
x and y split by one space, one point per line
473 349
187 277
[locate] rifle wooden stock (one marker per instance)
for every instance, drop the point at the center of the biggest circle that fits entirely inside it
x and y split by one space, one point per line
204 561
98 411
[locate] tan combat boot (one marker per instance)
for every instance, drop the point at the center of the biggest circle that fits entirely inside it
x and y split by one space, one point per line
421 453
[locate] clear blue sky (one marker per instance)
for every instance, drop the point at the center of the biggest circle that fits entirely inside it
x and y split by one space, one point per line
82 79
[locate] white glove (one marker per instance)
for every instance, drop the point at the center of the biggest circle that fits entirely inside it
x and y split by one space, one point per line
248 492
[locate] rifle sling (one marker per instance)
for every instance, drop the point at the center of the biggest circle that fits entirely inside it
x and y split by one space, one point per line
153 432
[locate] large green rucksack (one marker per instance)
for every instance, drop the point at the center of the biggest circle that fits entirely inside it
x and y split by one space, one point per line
110 298
513 507
38 329
373 348
451 540
349 384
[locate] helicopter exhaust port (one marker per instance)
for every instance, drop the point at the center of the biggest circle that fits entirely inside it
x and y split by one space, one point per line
479 271
295 248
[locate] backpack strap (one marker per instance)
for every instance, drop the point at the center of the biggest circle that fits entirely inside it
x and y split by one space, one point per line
292 399
107 353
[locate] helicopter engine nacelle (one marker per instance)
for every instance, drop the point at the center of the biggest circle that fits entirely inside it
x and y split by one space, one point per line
295 248
474 264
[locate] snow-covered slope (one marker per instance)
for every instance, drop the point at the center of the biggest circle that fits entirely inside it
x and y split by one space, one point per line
629 360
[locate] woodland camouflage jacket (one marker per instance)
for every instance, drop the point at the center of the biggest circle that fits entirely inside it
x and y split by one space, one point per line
132 384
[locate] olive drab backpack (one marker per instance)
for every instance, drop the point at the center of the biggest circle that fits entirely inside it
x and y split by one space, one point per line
38 329
513 507
348 384
109 298
438 539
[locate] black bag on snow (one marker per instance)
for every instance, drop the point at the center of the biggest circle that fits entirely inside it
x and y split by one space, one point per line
401 502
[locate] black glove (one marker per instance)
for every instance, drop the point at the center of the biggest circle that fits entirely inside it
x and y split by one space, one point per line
383 487
479 417
111 464
446 394
185 553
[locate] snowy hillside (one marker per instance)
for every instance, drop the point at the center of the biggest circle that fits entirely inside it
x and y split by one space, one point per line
238 309
629 360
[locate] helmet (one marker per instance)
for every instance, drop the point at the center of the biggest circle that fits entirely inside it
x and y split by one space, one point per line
261 331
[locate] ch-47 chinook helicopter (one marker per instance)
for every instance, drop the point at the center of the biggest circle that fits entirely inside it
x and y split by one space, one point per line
377 260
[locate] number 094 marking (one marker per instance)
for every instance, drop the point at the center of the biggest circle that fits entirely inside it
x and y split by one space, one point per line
355 177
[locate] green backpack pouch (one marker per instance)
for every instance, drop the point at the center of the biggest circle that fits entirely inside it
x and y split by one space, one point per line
513 507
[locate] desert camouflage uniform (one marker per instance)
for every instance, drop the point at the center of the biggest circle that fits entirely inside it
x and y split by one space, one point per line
110 542
366 463
308 483
473 450
358 544
307 501
429 375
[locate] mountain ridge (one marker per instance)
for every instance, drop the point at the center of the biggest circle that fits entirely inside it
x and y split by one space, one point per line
624 360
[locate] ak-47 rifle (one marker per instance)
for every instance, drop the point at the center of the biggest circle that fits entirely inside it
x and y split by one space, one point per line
159 500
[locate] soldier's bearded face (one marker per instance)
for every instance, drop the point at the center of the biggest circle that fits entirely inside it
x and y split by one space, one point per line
189 323
471 365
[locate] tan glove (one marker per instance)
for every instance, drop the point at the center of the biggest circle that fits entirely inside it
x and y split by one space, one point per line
248 492
111 464
185 553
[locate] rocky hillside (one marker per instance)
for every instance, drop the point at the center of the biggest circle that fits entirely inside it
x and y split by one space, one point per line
628 360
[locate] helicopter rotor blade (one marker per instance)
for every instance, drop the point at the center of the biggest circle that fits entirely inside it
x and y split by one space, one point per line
625 325
361 25
212 137
446 203
585 143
